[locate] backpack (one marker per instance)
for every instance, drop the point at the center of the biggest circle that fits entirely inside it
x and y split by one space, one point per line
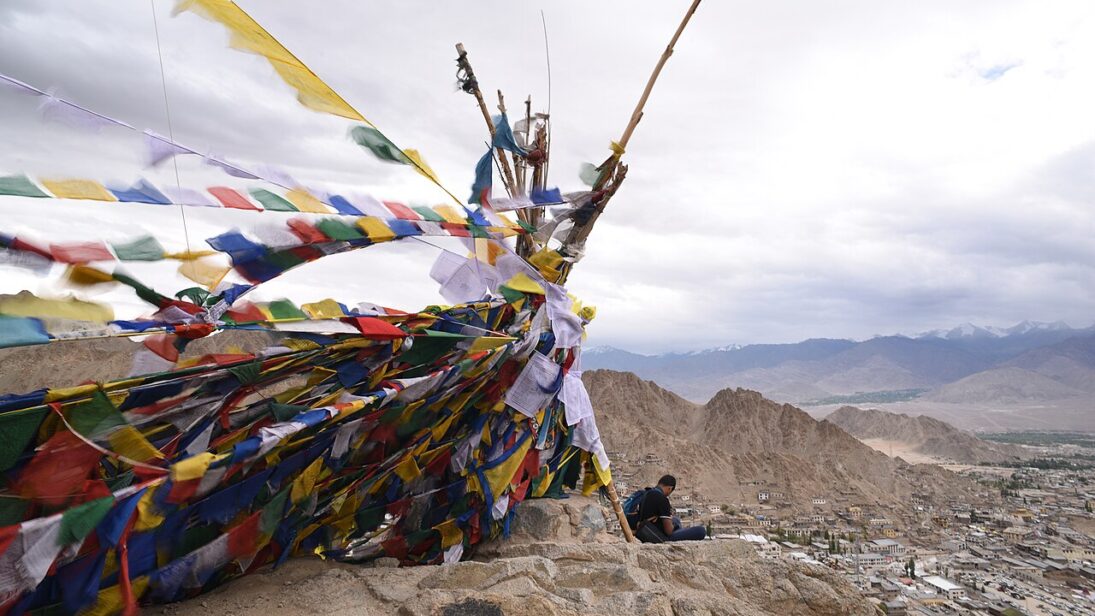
631 506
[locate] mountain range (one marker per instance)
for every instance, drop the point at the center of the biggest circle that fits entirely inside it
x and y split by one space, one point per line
739 442
1030 375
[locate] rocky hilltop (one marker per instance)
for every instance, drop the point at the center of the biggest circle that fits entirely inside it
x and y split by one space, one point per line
558 562
925 435
739 443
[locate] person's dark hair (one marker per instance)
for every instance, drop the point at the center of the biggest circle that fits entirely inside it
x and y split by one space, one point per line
668 481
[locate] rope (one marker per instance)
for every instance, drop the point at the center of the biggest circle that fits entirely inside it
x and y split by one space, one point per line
167 109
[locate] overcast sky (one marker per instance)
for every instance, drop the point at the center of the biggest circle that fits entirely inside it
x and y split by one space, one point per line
804 169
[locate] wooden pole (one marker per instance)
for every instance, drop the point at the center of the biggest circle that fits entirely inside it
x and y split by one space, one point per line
578 234
615 499
638 113
511 186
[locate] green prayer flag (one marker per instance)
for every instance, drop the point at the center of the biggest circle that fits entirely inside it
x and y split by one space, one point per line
378 144
146 248
427 213
369 519
196 295
338 230
19 186
427 349
273 512
247 373
284 309
95 416
80 520
17 429
272 202
285 412
147 294
12 510
511 295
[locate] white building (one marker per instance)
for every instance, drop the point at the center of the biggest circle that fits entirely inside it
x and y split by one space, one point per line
945 587
887 547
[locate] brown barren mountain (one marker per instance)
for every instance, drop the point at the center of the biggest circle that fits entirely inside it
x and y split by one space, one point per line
925 435
739 442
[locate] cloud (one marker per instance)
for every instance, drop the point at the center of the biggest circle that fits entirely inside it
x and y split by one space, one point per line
800 171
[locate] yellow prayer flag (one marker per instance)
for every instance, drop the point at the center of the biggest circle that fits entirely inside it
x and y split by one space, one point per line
408 469
26 304
499 477
375 229
521 282
486 343
295 344
206 273
319 374
66 393
421 166
85 276
549 262
147 516
450 533
305 202
193 467
305 483
248 35
110 600
323 309
129 442
189 255
450 214
78 189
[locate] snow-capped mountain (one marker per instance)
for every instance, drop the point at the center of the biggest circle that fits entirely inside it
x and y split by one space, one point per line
969 330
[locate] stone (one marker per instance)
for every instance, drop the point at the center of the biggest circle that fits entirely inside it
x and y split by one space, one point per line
386 563
593 519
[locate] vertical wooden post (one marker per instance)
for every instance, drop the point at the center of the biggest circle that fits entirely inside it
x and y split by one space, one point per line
615 498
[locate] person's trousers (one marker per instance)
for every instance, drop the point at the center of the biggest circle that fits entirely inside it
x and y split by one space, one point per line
692 533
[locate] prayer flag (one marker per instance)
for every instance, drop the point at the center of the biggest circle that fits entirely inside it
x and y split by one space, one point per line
78 189
231 198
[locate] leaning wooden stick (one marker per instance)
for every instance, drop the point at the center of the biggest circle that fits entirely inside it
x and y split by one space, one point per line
511 186
615 499
607 179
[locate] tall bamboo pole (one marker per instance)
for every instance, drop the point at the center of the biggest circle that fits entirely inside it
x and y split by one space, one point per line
579 233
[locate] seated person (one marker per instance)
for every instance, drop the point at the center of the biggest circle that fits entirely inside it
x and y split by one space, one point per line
656 520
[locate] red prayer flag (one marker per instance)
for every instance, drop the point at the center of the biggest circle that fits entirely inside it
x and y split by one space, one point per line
164 346
401 211
20 244
456 229
307 232
244 538
372 327
231 198
246 312
80 252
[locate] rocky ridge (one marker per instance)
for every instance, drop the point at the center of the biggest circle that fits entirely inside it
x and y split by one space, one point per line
926 435
558 562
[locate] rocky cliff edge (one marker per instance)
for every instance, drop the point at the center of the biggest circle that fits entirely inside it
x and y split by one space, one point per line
559 561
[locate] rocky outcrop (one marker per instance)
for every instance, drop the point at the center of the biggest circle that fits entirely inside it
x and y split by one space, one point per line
926 435
579 570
